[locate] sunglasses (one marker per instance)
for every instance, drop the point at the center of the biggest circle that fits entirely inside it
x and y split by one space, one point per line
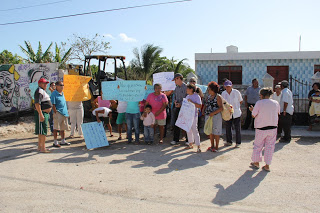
60 85
192 81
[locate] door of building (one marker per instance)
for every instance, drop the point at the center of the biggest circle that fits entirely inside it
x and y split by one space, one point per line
279 73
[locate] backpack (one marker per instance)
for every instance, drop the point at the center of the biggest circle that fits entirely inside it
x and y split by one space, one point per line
227 111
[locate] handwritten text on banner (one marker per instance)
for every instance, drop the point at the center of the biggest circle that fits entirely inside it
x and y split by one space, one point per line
165 79
186 114
94 135
76 88
123 90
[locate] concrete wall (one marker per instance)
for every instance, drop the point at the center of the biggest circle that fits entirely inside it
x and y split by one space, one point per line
15 80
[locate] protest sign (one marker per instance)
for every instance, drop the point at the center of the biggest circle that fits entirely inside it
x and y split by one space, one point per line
124 90
202 87
110 90
76 88
149 90
34 86
186 114
165 79
94 135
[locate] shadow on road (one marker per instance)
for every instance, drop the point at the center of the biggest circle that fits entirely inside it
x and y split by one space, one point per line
239 190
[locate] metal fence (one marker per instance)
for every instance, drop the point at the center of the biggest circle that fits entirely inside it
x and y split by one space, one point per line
300 90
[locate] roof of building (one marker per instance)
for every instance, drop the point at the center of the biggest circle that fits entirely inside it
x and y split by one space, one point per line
257 55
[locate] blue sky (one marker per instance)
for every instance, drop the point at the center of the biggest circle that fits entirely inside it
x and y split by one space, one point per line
180 29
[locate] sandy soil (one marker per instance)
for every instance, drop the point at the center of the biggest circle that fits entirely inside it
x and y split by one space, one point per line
157 178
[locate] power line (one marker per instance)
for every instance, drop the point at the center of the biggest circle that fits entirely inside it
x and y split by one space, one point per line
37 5
94 12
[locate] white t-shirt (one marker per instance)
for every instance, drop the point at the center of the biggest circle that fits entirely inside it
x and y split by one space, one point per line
105 114
276 97
234 98
122 106
286 96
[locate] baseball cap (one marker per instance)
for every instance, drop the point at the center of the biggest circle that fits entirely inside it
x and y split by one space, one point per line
177 75
227 83
43 80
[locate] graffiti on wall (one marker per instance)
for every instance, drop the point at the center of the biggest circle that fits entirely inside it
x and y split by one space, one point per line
14 83
9 89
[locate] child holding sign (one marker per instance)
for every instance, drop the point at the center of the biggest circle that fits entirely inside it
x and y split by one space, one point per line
148 123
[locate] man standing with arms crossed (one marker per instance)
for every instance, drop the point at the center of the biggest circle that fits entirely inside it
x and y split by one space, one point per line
43 107
179 93
251 96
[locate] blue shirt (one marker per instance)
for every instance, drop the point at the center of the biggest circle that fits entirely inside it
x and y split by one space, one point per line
60 102
133 107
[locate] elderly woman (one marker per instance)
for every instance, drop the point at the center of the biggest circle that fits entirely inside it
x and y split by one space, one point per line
265 112
158 101
213 108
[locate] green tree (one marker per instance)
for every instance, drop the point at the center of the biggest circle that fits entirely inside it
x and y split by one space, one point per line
7 57
38 57
144 62
62 56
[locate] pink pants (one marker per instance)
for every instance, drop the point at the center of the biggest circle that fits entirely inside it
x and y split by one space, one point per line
266 139
193 134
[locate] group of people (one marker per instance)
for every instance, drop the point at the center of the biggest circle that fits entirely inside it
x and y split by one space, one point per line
269 117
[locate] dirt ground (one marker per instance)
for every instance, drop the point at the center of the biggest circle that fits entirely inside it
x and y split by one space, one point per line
157 178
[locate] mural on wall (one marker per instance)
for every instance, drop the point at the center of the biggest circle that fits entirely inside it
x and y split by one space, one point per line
9 89
14 83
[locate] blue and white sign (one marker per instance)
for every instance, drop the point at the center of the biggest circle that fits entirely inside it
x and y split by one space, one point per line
94 135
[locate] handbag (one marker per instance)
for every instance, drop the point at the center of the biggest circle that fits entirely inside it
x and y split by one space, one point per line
208 126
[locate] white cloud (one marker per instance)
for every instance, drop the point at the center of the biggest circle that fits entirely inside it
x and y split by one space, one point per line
108 36
125 38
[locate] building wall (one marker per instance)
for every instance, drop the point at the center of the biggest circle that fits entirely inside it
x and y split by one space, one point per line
15 80
302 69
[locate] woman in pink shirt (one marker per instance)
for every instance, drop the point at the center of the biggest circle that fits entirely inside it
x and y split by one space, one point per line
265 112
158 102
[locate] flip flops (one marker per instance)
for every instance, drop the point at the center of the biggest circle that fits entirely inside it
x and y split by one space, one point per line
265 169
252 165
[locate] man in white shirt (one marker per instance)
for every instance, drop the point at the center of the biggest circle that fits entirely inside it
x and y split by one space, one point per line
233 97
286 112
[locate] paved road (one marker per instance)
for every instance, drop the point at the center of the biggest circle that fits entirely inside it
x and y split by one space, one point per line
159 178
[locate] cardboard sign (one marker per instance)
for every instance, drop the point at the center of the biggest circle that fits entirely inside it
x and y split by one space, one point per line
123 90
186 114
76 88
165 79
94 135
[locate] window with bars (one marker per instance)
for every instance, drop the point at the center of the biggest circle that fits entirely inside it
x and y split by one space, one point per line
233 73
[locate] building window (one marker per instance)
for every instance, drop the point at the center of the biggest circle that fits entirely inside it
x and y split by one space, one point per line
316 68
233 73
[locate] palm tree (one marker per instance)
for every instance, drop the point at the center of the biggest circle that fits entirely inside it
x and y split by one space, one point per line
144 62
61 59
38 57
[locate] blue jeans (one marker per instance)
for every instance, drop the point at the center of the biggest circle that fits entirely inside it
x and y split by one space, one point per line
133 120
148 134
